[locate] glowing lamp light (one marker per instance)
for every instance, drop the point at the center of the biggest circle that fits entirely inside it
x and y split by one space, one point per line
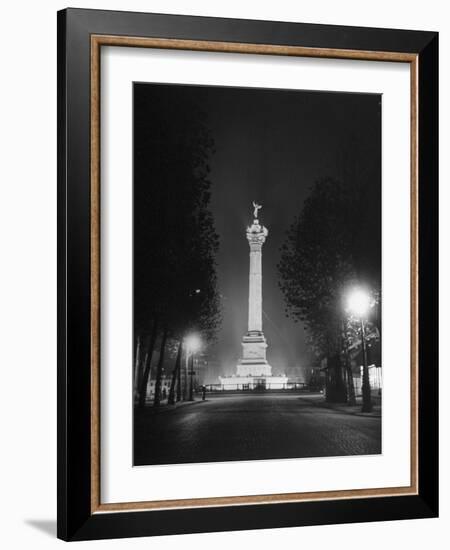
193 343
359 302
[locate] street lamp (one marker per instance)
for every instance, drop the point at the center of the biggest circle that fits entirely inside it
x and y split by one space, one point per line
359 304
193 345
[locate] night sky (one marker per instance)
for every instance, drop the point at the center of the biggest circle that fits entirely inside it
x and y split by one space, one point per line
270 146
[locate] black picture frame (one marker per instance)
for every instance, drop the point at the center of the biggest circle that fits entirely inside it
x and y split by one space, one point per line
76 520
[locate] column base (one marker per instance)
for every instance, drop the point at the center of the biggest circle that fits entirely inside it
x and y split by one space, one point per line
256 383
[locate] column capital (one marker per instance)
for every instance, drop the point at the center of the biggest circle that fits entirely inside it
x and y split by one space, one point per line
256 234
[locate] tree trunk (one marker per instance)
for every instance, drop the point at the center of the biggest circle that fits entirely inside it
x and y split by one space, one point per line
137 366
147 366
143 362
350 383
185 378
176 369
179 384
341 388
159 368
336 390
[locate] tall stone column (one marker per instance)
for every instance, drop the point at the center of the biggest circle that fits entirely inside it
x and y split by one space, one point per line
254 345
253 371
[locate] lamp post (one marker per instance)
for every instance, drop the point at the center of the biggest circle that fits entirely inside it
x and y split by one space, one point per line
359 303
193 345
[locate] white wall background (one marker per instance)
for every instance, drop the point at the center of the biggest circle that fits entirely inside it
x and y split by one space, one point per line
28 270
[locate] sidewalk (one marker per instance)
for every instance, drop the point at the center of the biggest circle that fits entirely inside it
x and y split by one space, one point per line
319 401
164 407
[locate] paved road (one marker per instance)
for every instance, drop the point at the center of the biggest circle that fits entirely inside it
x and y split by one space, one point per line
252 427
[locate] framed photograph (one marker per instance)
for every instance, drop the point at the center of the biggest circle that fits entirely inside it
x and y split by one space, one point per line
247 274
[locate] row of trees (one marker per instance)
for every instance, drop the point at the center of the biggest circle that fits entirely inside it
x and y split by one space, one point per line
332 246
175 242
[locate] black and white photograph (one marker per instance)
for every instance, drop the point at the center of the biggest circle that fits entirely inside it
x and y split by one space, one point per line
257 291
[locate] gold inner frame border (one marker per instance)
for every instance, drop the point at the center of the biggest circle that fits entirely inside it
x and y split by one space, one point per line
97 41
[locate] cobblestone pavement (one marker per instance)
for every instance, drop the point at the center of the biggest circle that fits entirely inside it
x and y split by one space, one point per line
249 427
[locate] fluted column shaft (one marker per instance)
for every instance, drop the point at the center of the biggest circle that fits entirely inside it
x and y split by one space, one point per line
255 289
